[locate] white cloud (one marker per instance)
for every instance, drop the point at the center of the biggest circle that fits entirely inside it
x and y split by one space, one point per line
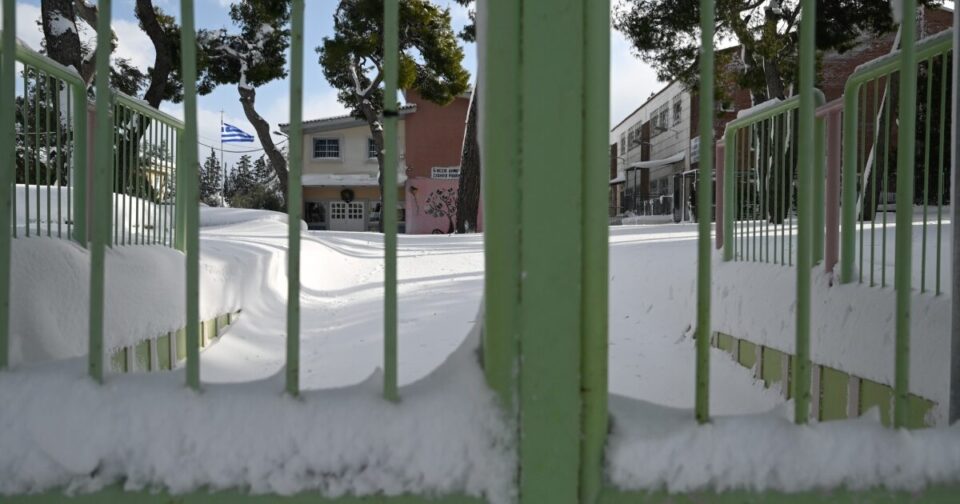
133 44
631 80
28 31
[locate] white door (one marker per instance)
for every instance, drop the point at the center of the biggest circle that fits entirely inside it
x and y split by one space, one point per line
347 216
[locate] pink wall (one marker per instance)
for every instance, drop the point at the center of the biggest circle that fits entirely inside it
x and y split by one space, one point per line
434 134
419 191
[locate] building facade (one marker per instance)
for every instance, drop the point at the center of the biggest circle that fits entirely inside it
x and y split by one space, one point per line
652 148
340 169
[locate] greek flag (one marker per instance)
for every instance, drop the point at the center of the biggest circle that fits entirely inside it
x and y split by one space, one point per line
231 133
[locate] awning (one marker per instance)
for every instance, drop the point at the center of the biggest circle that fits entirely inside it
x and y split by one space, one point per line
346 179
619 180
656 163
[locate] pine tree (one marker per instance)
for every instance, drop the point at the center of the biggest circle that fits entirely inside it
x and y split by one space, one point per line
210 179
249 58
241 181
665 34
431 60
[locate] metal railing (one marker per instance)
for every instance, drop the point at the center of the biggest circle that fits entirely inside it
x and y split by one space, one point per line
144 174
760 176
49 149
544 332
871 147
53 117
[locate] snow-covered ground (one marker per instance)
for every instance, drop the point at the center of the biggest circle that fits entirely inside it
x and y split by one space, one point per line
446 434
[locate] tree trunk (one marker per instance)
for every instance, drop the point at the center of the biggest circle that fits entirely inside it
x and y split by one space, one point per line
63 45
248 99
468 194
376 131
164 45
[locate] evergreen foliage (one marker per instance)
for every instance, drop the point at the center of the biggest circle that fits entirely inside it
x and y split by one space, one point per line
211 178
431 59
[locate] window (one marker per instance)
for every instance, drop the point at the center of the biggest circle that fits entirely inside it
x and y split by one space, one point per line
371 148
633 137
623 143
677 110
445 172
694 149
326 148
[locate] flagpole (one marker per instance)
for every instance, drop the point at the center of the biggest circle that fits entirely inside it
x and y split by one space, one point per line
223 186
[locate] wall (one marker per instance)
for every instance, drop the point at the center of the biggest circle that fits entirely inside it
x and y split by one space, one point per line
417 194
435 134
353 150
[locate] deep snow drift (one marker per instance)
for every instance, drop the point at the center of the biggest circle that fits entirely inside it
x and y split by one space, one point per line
446 435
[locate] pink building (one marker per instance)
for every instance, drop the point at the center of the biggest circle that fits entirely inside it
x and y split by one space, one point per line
340 190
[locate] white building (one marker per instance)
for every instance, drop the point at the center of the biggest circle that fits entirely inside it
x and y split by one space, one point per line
653 153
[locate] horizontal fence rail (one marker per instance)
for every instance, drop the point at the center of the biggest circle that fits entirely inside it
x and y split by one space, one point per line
872 115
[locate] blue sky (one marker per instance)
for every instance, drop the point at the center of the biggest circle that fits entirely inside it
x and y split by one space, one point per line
631 81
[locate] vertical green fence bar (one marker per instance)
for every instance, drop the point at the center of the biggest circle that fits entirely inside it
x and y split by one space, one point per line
954 411
189 168
806 169
552 135
294 199
848 195
904 235
730 187
819 189
102 192
704 194
596 239
7 144
500 121
179 207
388 209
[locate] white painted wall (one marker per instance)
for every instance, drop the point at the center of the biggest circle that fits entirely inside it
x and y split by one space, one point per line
353 151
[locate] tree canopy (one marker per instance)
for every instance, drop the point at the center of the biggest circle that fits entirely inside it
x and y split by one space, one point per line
665 34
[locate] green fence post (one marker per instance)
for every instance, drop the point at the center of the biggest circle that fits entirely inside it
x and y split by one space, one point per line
79 178
501 193
704 194
294 199
388 210
179 209
805 173
848 203
7 144
819 189
596 239
904 222
190 202
729 190
954 412
102 193
552 133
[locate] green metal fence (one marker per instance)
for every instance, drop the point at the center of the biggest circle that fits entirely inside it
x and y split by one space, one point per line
49 149
760 175
544 353
873 120
51 193
144 173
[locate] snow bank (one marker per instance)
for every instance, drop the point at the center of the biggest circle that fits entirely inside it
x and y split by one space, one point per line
144 296
213 217
445 436
654 447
